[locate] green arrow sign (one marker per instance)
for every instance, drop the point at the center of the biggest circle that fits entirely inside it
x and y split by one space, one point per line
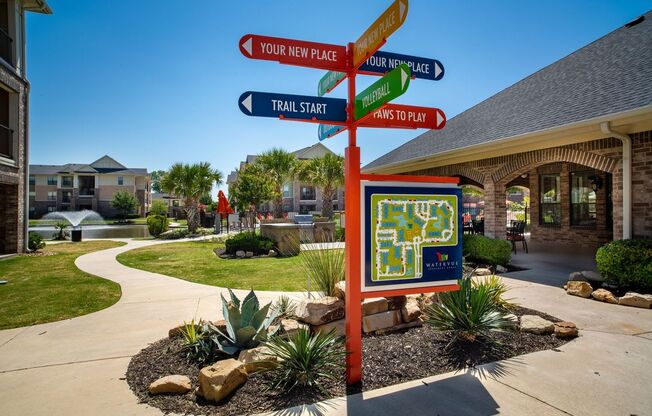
392 85
329 81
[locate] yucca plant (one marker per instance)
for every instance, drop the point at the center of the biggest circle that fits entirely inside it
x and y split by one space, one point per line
471 312
306 360
196 343
497 288
284 307
324 267
246 324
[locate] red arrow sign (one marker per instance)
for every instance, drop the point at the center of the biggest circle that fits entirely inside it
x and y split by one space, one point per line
294 52
406 116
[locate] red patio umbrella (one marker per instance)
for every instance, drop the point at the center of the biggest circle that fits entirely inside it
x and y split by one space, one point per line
223 209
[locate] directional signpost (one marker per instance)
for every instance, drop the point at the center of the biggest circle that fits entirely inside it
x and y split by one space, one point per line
424 253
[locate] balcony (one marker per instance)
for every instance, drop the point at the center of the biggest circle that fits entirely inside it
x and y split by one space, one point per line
6 47
6 142
307 193
86 192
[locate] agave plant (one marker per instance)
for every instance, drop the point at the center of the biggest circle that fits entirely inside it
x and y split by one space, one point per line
246 324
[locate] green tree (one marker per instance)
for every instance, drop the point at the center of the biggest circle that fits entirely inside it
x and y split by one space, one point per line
125 203
191 182
279 166
252 188
159 208
326 172
156 180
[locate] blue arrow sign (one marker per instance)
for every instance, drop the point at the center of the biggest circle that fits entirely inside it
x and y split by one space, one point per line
298 107
382 62
328 130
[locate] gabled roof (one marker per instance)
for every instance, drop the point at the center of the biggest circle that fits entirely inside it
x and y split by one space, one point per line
311 152
610 75
105 164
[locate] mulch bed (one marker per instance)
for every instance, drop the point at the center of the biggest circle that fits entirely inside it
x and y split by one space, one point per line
387 359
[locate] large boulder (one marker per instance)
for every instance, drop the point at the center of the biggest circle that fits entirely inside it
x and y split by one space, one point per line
373 306
340 289
578 288
240 254
566 330
176 384
289 327
256 359
396 302
381 320
339 326
219 380
603 295
411 311
636 299
482 271
536 325
320 311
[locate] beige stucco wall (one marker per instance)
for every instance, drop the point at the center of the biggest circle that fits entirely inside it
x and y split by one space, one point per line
42 191
112 180
107 191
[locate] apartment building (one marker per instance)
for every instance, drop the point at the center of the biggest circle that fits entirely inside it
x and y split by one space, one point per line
298 196
14 109
76 186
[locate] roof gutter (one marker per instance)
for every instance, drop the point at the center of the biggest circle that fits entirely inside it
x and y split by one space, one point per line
627 177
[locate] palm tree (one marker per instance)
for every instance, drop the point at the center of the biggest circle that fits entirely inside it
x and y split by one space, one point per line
191 182
327 172
280 166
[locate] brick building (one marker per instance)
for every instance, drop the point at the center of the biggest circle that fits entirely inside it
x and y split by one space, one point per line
14 109
577 134
76 186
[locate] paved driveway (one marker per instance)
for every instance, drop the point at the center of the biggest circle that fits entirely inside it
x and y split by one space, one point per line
77 366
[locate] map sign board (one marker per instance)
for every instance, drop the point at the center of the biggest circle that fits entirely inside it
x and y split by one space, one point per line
294 52
294 107
411 235
392 85
381 62
379 31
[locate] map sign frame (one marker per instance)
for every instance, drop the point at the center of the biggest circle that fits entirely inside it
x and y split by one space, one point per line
432 263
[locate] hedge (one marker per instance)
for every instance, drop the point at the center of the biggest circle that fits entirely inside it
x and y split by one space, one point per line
627 263
480 249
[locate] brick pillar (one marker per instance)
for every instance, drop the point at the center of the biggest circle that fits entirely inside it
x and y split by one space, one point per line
617 201
495 209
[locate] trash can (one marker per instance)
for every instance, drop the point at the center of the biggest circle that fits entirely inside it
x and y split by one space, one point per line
76 234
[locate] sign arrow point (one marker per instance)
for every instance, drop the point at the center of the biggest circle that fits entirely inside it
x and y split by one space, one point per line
404 78
246 103
440 118
437 70
247 46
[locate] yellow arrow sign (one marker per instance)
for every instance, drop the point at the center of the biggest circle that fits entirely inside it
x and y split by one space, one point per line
379 31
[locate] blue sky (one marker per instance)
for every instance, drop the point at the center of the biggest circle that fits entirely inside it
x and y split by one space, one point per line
155 83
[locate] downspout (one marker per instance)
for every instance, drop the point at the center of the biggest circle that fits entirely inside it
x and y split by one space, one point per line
627 177
26 132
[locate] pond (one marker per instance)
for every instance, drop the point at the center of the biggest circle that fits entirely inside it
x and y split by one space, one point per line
98 231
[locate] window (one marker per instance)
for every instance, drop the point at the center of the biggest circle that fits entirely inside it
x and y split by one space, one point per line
307 209
550 200
66 196
121 180
307 193
66 181
6 133
32 180
287 190
583 199
52 180
52 195
32 194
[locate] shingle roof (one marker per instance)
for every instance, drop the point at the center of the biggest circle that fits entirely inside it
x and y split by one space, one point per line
82 168
610 75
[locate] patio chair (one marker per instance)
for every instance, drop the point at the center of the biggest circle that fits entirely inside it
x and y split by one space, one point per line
478 227
517 233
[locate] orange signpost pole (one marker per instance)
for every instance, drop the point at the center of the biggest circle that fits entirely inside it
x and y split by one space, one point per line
352 237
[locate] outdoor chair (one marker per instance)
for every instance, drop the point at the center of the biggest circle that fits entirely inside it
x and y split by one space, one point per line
478 227
517 233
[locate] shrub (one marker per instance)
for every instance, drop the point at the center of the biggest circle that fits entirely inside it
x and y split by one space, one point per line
339 234
61 233
246 324
248 242
304 359
125 203
175 234
35 242
159 208
627 263
157 224
324 268
480 249
470 313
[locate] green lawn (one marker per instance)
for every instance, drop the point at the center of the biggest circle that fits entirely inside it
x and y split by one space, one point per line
50 288
196 262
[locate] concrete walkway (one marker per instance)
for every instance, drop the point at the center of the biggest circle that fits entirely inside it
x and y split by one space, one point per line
77 366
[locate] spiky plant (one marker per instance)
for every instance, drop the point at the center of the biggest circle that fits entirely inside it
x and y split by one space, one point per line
196 343
470 313
324 267
306 360
498 288
246 324
284 307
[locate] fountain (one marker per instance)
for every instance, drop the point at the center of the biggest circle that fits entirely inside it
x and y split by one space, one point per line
74 218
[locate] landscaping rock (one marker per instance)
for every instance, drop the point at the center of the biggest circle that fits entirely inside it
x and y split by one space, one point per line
220 379
289 327
576 277
339 326
482 271
382 320
603 295
501 269
513 321
249 254
411 311
256 359
565 330
320 311
396 302
536 325
240 254
272 253
399 327
636 299
340 289
171 384
577 288
373 306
